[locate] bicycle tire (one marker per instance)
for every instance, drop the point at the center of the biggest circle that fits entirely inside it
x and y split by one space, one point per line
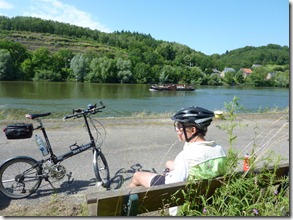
19 177
101 168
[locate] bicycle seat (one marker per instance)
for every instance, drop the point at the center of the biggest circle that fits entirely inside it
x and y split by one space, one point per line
33 116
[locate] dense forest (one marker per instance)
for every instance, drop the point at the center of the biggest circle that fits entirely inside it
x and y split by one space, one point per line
33 49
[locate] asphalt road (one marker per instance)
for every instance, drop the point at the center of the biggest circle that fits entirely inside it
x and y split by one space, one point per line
136 144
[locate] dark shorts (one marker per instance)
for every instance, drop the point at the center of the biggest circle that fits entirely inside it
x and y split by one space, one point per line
158 180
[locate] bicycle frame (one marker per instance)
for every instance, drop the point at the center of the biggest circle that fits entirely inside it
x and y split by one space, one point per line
79 149
40 170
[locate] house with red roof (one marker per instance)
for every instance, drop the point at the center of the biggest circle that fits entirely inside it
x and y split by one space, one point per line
246 71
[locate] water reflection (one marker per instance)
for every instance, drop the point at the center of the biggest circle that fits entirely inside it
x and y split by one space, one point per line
124 99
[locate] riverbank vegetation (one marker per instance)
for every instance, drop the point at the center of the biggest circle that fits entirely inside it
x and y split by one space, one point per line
18 114
33 49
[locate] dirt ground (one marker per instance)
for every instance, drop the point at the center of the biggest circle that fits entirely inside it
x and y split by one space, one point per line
130 144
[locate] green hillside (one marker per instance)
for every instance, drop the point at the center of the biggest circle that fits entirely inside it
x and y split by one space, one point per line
53 51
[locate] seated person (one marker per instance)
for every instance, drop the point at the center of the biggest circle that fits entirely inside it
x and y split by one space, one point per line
199 159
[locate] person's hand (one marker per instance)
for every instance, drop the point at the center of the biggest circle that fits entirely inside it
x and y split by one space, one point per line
170 164
165 171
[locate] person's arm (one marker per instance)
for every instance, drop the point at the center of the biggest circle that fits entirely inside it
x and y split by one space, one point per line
179 172
170 165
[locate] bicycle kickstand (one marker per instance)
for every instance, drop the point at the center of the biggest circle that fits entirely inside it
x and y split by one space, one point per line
47 179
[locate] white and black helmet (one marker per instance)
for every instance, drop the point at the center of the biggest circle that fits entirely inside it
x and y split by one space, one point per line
201 117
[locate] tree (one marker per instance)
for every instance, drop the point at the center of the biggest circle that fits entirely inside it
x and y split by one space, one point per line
124 76
102 70
5 65
281 79
42 59
229 78
18 53
155 70
47 75
183 75
108 70
135 56
152 58
142 73
258 77
27 68
94 74
168 75
239 78
166 51
214 80
124 70
80 67
61 63
42 63
196 75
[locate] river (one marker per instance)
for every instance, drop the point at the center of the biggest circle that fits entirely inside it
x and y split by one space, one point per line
128 99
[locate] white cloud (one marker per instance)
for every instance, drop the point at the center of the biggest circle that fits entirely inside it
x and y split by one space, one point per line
57 11
5 5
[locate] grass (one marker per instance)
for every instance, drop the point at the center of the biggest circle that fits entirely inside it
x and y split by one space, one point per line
273 110
18 114
57 206
53 42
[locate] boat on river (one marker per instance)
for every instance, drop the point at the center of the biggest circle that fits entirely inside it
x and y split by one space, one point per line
171 87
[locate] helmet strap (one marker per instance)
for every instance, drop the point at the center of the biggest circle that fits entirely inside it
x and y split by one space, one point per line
192 136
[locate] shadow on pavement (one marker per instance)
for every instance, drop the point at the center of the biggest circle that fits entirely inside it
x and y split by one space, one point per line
123 174
4 201
77 186
68 188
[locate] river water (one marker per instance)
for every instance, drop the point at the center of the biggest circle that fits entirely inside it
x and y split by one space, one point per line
125 100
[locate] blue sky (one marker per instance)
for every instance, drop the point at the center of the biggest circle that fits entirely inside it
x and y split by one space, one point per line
208 26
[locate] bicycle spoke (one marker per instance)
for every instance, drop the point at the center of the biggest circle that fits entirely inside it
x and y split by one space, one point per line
17 184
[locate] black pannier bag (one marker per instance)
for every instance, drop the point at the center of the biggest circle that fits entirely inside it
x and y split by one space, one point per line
19 131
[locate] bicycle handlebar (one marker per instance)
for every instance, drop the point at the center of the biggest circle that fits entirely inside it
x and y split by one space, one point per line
92 109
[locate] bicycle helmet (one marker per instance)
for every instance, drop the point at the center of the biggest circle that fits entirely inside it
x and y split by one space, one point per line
195 116
198 116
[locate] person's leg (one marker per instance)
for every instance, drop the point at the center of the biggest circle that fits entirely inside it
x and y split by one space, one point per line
142 179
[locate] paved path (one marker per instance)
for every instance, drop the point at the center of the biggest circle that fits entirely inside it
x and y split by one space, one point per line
132 144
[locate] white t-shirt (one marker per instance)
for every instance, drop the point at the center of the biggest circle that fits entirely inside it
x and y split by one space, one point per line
193 154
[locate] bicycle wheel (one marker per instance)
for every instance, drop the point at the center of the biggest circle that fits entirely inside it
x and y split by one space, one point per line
101 168
19 177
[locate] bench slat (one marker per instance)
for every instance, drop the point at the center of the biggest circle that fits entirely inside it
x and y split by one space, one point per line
114 203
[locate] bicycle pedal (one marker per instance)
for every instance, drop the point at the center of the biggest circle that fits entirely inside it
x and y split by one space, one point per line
69 175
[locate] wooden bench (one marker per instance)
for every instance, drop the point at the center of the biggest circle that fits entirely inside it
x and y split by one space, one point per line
131 202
